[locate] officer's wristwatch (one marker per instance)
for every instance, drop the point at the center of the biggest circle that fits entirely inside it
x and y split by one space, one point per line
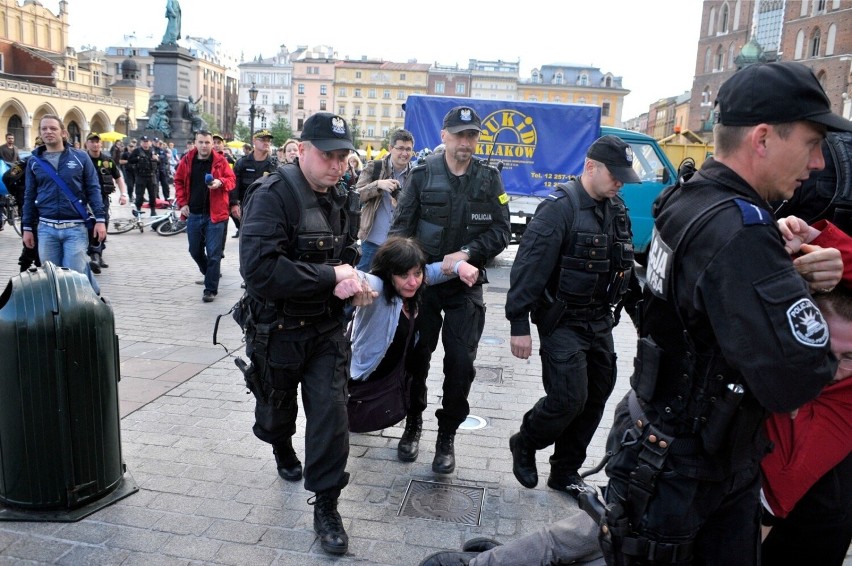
466 250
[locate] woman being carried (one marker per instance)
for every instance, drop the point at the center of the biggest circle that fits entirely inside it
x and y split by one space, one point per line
384 335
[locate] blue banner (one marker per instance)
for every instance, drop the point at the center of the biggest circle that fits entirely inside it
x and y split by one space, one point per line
539 144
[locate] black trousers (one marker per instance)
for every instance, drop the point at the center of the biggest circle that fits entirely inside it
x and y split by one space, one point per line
319 363
96 247
460 311
147 183
819 528
578 372
163 177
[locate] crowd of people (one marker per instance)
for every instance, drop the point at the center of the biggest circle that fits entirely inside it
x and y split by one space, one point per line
353 272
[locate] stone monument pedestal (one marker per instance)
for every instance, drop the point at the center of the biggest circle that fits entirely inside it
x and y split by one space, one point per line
171 84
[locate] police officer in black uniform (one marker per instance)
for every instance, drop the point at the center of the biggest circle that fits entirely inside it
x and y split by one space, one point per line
163 164
109 175
729 332
146 160
456 207
572 268
297 251
250 168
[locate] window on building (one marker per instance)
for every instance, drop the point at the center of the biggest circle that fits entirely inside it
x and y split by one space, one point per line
819 6
357 74
386 94
150 69
72 72
832 36
800 45
558 78
385 131
608 82
605 109
402 76
460 89
705 96
281 100
439 87
341 110
341 91
300 88
723 19
322 105
323 90
371 111
96 75
720 59
400 113
118 71
371 132
300 124
583 79
400 95
300 104
731 56
357 93
536 77
386 112
357 111
371 93
815 41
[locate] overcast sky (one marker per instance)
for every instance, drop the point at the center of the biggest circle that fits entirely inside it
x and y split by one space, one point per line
651 44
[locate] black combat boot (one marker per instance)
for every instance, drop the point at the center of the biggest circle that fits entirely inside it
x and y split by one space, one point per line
523 461
566 480
327 522
94 264
289 466
445 454
101 261
409 444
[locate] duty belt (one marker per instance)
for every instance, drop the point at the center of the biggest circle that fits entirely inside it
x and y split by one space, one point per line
676 446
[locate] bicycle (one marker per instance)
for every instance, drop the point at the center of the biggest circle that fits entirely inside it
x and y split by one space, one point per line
9 214
170 223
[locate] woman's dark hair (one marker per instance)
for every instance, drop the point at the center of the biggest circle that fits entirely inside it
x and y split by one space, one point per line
396 257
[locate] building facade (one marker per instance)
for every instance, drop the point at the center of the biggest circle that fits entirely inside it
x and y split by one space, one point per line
572 84
40 74
370 95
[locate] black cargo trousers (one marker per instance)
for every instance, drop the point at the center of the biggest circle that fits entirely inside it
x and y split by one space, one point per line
317 358
463 321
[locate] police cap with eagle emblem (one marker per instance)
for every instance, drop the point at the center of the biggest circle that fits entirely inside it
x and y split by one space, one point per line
327 132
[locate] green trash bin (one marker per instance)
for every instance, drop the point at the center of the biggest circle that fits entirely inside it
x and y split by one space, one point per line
60 439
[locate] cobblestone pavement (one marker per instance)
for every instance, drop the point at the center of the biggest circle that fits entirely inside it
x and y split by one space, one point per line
209 491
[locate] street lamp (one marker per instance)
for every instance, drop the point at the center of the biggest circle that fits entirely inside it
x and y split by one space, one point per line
127 121
354 129
252 98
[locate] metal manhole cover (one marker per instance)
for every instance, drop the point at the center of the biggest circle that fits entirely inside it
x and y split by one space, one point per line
449 503
492 374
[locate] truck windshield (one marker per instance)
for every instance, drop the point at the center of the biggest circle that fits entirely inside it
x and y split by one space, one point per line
647 163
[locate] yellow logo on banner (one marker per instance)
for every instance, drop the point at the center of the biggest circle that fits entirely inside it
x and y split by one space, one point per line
517 133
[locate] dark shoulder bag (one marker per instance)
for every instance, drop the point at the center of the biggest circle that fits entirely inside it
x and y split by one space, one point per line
376 404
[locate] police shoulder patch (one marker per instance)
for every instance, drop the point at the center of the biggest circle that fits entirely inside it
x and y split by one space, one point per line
503 198
753 214
807 323
557 195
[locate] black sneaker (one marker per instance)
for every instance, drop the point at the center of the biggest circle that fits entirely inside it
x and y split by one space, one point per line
208 297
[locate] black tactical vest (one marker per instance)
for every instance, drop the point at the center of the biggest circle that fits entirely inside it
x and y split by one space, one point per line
446 224
104 164
597 260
